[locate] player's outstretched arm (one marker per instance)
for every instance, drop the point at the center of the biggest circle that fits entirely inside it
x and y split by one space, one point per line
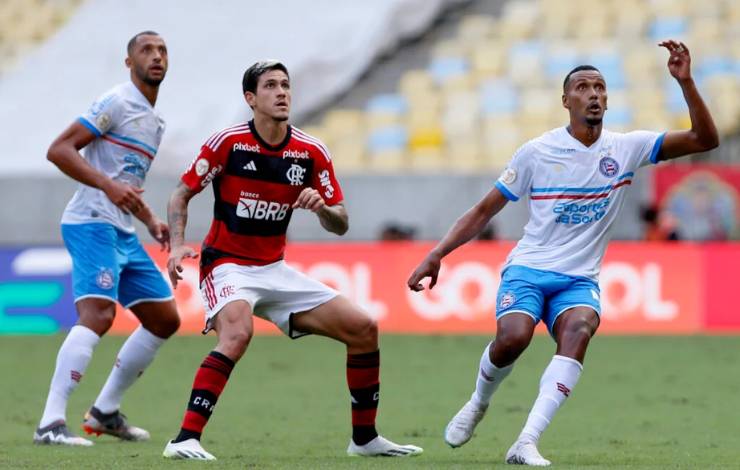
334 219
703 134
465 228
177 218
64 152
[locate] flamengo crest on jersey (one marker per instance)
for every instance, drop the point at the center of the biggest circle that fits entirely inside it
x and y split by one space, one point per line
129 131
575 193
255 185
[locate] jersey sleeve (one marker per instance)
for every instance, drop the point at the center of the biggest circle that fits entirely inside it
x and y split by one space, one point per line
516 179
205 167
104 114
643 147
324 180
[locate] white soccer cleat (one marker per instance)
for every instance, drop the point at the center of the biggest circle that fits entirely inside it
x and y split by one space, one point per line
186 450
525 453
382 447
58 433
460 428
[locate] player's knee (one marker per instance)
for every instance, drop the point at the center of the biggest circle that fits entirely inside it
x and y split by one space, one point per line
514 342
577 331
235 342
168 326
365 334
100 322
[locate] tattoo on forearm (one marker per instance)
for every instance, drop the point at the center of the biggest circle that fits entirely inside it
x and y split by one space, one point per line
177 215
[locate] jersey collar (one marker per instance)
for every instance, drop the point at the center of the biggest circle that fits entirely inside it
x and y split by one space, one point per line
272 148
595 145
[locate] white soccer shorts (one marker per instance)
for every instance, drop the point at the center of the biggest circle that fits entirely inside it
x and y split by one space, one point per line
275 292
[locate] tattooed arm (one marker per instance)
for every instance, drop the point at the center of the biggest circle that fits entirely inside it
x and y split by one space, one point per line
177 218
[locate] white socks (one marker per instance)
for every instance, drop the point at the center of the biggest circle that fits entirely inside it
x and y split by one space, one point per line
489 378
135 355
556 384
72 361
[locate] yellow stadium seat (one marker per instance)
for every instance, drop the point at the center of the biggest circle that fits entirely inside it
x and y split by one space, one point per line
343 121
416 81
476 28
488 58
426 137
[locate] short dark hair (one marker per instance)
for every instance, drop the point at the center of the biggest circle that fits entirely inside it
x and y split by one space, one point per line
253 73
132 41
578 69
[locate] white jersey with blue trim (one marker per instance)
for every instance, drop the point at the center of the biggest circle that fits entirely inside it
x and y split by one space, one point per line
575 193
128 131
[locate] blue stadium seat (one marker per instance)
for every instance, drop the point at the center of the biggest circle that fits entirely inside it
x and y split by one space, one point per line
611 66
716 65
620 116
498 97
387 138
668 27
675 102
390 103
558 64
444 68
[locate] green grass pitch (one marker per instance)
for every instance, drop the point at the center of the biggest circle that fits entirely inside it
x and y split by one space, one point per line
642 402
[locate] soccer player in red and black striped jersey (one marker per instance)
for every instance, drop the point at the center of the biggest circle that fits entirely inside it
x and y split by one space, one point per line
261 171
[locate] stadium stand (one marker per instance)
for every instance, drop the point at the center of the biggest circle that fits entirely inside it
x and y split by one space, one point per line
444 115
497 81
26 23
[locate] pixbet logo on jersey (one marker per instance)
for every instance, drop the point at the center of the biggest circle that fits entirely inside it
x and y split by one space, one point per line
257 209
295 154
245 147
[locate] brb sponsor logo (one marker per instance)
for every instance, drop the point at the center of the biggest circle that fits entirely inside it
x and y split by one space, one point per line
574 213
326 183
245 147
253 208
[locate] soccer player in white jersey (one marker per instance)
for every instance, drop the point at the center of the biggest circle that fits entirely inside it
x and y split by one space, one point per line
120 133
575 177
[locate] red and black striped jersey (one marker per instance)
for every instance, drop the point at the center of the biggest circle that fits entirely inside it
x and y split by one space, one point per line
255 185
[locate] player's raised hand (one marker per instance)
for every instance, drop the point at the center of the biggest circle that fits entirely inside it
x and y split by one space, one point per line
679 62
174 262
160 232
309 199
429 267
123 195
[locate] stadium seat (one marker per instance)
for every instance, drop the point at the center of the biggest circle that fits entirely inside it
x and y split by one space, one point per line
446 68
497 80
499 97
668 27
387 138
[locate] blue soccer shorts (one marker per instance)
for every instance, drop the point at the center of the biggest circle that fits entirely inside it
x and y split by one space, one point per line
111 264
544 295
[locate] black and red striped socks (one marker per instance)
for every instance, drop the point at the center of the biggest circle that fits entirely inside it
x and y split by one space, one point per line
209 382
363 378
